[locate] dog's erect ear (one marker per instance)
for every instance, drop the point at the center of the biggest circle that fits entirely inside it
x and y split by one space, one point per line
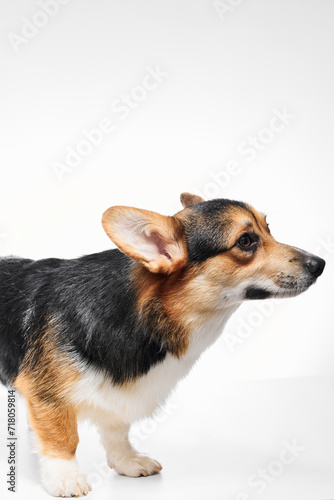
156 241
190 199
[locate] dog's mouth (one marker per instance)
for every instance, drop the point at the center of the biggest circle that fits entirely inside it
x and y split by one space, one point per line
284 286
257 293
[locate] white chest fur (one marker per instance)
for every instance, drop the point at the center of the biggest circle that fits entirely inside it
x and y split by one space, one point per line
141 398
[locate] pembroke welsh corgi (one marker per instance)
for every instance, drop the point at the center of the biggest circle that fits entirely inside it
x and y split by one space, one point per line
108 336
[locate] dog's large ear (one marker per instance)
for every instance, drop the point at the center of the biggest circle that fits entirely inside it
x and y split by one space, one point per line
190 199
155 240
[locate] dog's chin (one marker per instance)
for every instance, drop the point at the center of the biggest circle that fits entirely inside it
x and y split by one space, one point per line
289 292
294 289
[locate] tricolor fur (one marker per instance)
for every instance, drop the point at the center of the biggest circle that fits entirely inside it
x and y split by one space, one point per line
107 336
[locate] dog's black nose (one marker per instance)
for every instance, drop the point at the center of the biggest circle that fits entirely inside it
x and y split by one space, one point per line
315 265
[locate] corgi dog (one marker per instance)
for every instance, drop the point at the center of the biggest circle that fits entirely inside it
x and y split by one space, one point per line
108 336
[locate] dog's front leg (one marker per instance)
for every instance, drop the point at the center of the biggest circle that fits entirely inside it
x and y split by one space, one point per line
55 428
121 455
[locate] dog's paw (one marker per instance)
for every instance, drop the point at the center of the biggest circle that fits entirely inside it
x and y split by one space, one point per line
72 484
136 466
62 478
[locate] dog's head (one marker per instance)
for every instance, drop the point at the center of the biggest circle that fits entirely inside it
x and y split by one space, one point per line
227 244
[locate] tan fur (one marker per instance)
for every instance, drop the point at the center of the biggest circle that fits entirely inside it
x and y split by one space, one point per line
190 199
46 386
189 297
233 267
161 289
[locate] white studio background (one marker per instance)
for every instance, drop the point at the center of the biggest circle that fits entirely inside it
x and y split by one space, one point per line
228 99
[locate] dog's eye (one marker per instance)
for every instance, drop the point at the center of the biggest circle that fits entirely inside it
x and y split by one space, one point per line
245 241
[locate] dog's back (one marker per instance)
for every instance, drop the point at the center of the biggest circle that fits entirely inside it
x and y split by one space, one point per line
84 306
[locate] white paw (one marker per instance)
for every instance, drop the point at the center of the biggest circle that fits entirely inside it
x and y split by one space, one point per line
62 478
137 466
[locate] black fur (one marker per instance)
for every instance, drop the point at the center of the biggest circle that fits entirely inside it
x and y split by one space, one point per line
91 304
206 226
13 304
253 293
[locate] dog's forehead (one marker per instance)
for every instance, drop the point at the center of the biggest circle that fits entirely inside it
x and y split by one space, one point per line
210 226
221 212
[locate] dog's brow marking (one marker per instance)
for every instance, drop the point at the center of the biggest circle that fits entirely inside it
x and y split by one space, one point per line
255 220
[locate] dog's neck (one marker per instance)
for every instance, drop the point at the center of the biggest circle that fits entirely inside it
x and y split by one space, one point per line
179 309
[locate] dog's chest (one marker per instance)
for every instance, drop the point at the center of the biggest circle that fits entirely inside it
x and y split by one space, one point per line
142 397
